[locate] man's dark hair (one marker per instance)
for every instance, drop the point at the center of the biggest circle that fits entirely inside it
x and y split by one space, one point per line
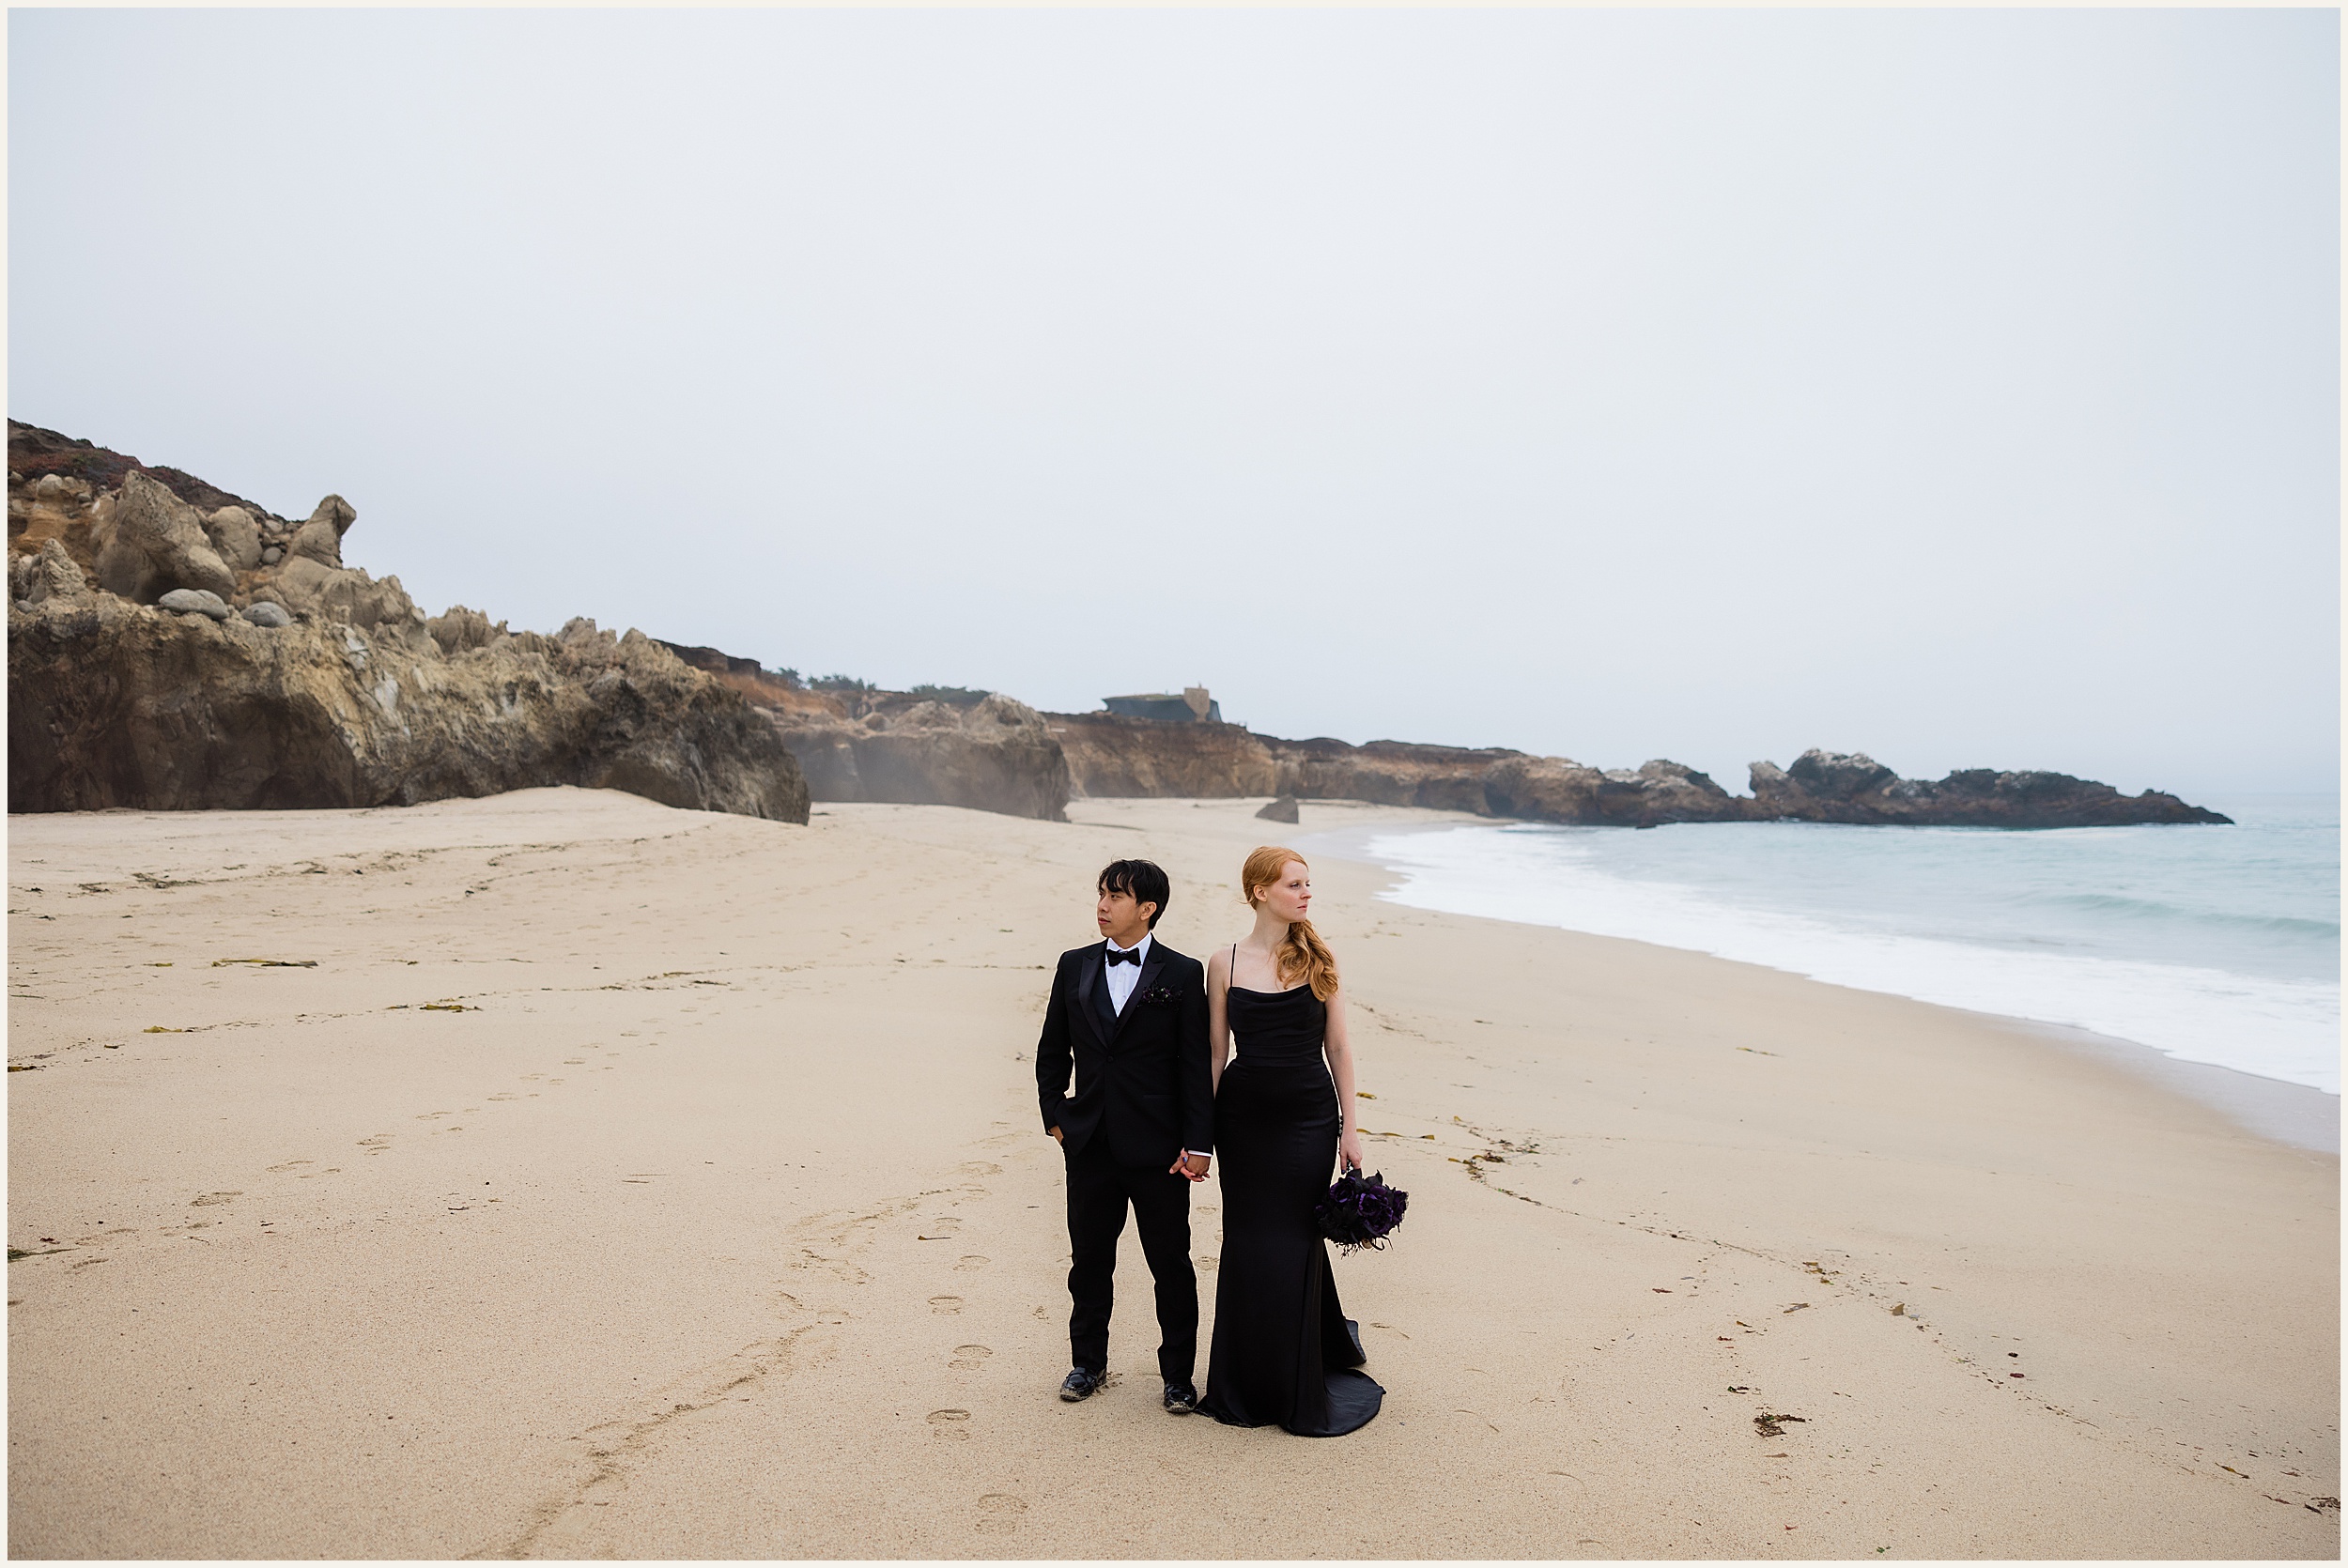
1142 879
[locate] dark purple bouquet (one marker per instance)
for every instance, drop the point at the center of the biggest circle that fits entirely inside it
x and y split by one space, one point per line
1361 1211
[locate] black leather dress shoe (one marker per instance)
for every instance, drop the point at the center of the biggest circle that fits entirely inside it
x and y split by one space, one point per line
1080 1384
1181 1399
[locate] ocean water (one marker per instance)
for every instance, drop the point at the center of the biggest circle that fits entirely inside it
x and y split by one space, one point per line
2218 945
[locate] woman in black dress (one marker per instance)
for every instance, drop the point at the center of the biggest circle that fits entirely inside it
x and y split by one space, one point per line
1283 1351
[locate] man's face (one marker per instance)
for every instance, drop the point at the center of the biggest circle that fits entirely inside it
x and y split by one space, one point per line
1121 920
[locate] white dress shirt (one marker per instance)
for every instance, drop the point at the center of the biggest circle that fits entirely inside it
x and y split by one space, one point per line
1123 978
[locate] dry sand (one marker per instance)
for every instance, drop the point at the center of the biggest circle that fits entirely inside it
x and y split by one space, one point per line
718 1223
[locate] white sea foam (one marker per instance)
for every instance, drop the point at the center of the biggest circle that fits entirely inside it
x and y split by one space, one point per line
2211 950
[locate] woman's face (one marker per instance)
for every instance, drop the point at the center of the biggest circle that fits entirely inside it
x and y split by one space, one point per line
1291 896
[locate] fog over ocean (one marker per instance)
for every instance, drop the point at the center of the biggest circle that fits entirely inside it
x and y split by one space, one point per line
2216 945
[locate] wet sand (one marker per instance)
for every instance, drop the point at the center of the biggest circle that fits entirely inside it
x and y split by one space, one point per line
582 1178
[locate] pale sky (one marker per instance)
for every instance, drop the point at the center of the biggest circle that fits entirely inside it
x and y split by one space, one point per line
1959 387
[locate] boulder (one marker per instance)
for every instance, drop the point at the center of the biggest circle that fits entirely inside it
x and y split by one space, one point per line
268 614
1280 811
154 543
235 538
320 539
195 601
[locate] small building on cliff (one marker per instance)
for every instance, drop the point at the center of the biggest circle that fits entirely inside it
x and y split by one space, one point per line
1194 706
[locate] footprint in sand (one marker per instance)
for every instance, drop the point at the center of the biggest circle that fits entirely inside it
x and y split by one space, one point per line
945 1306
969 1357
288 1165
979 1168
941 1227
998 1512
970 1265
379 1143
809 1258
503 1096
951 1423
204 1198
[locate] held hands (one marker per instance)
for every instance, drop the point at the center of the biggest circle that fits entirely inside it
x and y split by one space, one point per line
1349 1150
1055 1136
1191 1165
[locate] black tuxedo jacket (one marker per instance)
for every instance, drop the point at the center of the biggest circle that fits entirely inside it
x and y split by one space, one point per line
1142 1080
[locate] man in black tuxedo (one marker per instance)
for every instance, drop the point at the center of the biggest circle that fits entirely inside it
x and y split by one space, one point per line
1130 1015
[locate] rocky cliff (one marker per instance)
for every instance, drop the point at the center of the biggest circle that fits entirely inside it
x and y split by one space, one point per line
166 657
994 755
174 645
1109 755
982 749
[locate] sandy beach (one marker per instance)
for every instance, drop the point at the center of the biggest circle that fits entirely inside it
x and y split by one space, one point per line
561 1175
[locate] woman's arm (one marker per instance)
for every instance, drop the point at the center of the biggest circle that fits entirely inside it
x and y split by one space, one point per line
1218 1021
1339 1051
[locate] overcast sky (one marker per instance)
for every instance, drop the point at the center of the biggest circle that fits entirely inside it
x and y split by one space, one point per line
1960 387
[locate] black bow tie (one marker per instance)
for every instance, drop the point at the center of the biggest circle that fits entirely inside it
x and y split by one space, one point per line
1132 956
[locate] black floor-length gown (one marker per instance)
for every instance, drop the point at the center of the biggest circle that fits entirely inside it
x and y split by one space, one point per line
1283 1351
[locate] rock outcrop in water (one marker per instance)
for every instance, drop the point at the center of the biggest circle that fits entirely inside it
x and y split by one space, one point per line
1852 787
163 658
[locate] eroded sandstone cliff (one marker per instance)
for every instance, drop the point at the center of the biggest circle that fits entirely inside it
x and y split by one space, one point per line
164 657
982 750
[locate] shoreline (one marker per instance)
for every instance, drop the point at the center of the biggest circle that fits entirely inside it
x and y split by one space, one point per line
640 1183
2297 1115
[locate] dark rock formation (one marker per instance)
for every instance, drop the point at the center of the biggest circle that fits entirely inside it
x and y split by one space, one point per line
351 699
1852 787
1114 757
1554 790
153 542
1386 773
1280 811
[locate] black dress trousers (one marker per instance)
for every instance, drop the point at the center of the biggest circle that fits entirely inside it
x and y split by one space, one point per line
1099 1190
